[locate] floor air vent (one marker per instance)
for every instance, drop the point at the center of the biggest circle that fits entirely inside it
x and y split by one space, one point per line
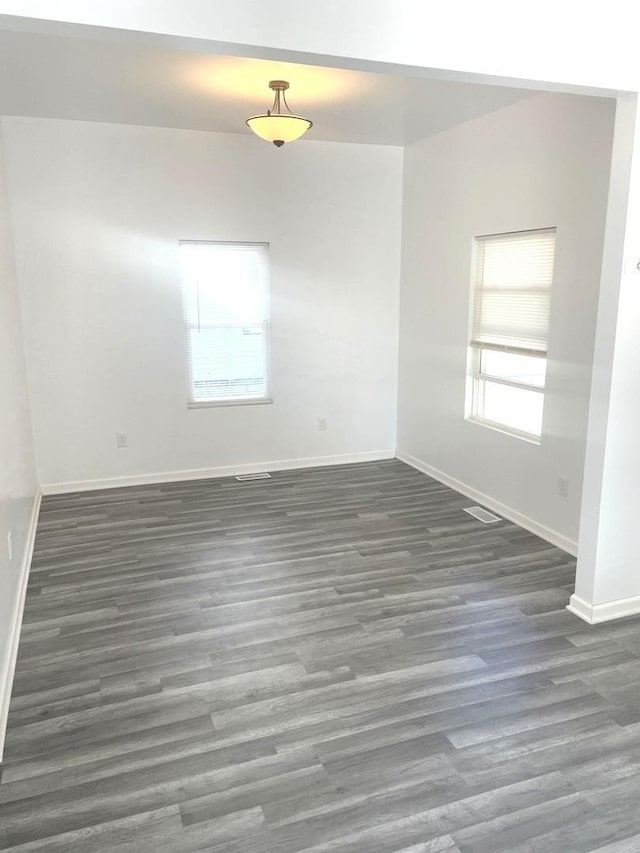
482 515
242 477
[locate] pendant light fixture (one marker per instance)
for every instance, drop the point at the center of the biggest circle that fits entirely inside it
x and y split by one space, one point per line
277 126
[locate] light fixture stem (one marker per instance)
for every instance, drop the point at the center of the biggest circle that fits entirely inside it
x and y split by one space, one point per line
284 98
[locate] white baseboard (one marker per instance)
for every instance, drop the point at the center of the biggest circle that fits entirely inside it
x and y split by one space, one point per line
6 677
594 613
546 533
222 471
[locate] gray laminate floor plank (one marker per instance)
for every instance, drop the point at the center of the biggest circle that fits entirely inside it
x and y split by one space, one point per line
336 659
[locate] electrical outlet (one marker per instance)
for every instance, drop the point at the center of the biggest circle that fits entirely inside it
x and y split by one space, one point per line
563 487
322 424
121 439
9 545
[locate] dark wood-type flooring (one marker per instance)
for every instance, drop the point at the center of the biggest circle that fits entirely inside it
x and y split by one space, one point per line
335 659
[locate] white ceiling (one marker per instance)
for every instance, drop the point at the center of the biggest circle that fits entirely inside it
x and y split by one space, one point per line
76 78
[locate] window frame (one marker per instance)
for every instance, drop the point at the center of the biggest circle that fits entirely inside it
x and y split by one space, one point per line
189 326
477 379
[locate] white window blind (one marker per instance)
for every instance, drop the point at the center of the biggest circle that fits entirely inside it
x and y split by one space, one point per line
512 293
226 317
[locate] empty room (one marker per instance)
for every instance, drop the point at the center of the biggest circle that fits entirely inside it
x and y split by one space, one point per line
318 405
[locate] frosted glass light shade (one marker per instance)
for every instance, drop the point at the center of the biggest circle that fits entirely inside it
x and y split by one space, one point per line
279 128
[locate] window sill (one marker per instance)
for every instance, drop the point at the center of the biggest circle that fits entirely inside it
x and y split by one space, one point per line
215 404
505 430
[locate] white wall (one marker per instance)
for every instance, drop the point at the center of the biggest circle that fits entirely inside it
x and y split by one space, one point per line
17 468
542 162
608 578
98 211
596 48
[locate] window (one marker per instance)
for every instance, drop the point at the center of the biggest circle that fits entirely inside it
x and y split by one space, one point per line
225 289
508 348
